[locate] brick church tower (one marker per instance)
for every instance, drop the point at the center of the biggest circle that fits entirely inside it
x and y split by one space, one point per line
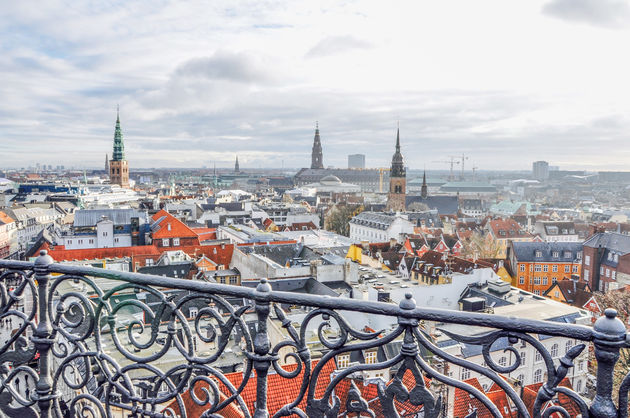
397 180
118 166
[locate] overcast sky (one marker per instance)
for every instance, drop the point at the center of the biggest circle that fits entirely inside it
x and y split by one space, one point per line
505 82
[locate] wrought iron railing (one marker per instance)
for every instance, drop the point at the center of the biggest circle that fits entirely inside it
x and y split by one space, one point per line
80 341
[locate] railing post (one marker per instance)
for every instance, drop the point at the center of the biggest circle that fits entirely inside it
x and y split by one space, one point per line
610 335
42 336
262 345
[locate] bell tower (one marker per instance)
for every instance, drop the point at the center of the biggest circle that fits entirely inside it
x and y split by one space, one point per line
118 166
397 180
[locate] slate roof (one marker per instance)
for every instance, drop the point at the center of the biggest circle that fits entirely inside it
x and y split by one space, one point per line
526 251
445 205
619 243
90 217
172 270
374 220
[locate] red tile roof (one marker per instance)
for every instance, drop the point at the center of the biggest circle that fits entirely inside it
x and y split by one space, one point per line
178 229
507 228
280 392
59 252
5 219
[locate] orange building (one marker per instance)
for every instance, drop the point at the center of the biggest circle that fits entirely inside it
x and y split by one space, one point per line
538 265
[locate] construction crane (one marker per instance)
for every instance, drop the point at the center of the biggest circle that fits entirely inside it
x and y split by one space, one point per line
463 159
452 162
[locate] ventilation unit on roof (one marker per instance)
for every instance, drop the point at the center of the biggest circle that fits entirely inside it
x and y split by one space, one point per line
499 286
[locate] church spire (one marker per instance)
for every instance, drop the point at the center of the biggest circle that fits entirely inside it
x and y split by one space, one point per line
236 166
119 146
398 164
316 155
423 190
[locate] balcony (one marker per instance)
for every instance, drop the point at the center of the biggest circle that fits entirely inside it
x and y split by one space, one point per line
99 343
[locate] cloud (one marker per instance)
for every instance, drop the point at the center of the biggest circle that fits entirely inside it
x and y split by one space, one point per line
223 65
333 45
602 13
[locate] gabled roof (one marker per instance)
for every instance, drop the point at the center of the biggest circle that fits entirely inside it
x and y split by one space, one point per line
575 292
507 228
178 229
610 240
445 205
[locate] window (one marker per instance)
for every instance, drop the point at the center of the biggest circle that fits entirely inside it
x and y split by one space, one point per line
581 366
538 376
192 312
175 242
523 355
522 267
567 269
616 258
370 357
556 294
544 281
610 256
537 292
555 254
568 345
538 357
601 269
537 280
613 275
521 280
587 260
165 242
554 268
545 268
578 386
538 254
575 268
464 374
503 361
568 254
343 361
586 275
537 268
579 255
554 350
233 280
520 378
115 239
607 272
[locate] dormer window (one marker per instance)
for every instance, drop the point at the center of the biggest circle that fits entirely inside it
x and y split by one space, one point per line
370 357
538 254
343 361
556 254
568 254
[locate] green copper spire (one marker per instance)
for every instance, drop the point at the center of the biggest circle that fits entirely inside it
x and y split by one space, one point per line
119 146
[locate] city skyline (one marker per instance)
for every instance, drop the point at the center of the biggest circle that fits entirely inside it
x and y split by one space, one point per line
197 84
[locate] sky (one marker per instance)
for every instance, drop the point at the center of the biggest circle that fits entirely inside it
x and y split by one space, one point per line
198 82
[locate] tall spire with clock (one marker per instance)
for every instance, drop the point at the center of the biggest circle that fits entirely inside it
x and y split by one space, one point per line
118 166
317 159
397 180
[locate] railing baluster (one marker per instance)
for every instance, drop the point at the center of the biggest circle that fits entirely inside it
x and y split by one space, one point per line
610 335
42 336
262 345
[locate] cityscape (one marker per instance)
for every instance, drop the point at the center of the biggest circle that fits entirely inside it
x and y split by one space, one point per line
316 264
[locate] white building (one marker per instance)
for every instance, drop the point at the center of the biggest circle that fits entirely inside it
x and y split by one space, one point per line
379 227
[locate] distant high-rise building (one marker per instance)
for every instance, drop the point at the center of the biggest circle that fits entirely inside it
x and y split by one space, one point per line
237 169
317 159
118 166
397 180
540 170
106 163
356 161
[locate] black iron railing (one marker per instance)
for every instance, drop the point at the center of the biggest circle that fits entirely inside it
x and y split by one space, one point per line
82 341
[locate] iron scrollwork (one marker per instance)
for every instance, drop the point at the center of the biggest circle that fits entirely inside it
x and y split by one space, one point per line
80 349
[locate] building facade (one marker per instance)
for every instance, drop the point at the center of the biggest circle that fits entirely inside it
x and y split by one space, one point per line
606 261
356 161
538 265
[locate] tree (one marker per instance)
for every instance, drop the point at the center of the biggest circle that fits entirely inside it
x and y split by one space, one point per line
620 301
338 218
481 246
418 207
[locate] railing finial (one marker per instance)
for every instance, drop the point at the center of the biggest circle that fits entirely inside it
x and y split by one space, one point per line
610 335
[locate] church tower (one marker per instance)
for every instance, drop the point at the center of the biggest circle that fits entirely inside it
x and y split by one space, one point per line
397 180
317 159
424 193
237 169
118 166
